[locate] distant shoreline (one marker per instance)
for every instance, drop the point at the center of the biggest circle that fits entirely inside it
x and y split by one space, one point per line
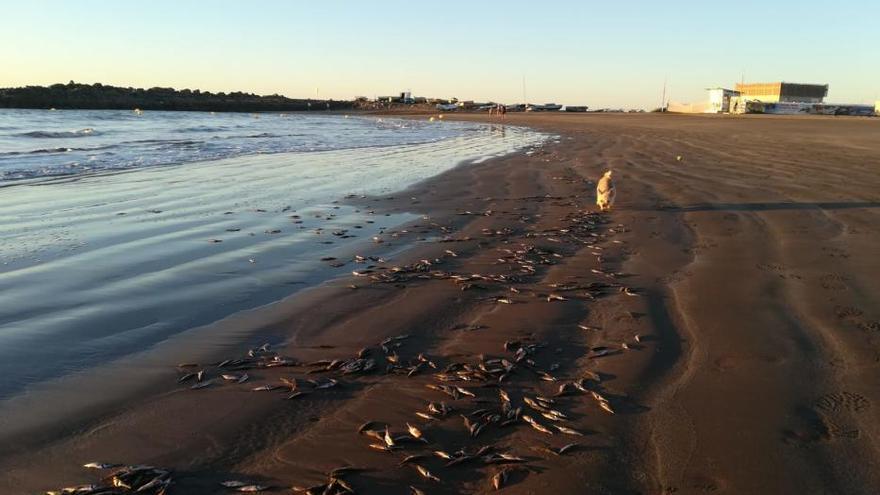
74 96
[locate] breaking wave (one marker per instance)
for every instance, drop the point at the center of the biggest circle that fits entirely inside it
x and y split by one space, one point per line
88 131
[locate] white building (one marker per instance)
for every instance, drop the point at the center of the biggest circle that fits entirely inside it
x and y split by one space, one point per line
719 99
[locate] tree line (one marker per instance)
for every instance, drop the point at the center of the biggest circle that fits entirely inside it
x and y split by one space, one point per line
99 97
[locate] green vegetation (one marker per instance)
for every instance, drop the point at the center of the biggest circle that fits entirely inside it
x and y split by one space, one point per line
99 96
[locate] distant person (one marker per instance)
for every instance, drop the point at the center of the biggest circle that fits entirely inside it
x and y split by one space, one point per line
503 110
605 192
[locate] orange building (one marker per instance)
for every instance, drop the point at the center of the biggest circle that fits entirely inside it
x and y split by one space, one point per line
783 92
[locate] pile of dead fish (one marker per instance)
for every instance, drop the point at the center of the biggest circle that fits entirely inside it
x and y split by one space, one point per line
233 370
382 356
543 414
147 480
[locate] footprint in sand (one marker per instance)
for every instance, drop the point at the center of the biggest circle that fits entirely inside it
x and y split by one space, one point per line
833 281
838 412
835 252
869 326
843 401
770 267
854 315
847 312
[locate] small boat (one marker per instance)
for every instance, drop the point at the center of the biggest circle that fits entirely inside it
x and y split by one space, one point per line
570 108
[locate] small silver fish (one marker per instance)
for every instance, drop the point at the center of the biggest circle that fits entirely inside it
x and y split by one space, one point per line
253 488
233 484
411 458
499 479
567 430
415 432
427 474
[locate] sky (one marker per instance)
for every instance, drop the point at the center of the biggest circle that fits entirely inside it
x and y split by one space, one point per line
595 53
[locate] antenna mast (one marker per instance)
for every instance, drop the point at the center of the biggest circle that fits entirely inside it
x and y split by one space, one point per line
663 97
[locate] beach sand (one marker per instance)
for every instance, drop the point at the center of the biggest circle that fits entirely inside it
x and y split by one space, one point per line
748 246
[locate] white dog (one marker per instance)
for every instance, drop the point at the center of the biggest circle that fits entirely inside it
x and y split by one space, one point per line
605 192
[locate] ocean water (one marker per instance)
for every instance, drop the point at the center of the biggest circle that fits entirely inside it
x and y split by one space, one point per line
118 231
39 143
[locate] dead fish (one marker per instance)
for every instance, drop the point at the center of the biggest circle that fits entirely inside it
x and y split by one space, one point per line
503 300
500 479
427 474
606 406
555 297
253 488
547 377
233 484
415 432
464 391
159 482
536 425
599 397
534 404
100 465
551 417
74 490
440 409
341 483
312 490
186 377
566 448
461 459
381 446
567 430
502 458
366 426
389 440
415 491
564 389
442 454
329 383
202 385
264 388
561 450
411 458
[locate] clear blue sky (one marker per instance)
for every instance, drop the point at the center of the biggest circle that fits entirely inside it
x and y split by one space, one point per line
604 53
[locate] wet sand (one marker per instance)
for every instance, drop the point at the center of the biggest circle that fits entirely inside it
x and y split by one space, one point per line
751 353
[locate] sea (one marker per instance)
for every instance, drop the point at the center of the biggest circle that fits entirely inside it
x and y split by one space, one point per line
120 230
